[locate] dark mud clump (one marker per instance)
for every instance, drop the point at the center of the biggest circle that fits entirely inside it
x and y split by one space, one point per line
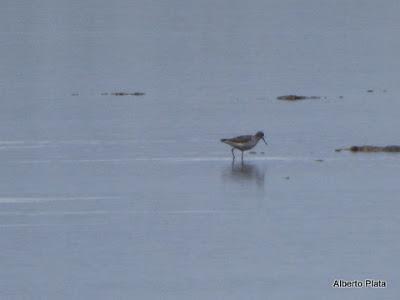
296 97
125 94
254 152
368 148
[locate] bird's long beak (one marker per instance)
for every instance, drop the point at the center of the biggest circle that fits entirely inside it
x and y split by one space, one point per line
265 141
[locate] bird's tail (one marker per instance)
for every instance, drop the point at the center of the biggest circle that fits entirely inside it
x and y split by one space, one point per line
223 140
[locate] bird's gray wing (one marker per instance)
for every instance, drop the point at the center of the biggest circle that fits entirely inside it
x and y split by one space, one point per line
240 139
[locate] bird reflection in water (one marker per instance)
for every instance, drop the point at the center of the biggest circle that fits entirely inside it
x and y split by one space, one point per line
245 173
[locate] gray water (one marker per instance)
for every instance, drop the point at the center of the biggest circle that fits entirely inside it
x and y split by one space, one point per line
134 197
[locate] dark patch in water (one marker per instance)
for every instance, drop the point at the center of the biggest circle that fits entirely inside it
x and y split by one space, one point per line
124 94
368 148
370 91
296 97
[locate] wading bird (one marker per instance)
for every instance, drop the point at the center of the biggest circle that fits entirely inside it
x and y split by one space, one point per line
244 142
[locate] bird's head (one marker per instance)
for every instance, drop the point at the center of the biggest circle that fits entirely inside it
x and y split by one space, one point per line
260 135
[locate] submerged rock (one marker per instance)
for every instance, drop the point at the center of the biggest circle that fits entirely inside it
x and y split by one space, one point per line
368 148
296 97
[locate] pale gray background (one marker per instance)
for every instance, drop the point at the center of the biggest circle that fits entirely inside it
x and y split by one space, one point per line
106 197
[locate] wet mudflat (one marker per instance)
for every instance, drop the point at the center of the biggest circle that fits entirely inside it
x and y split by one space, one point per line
105 197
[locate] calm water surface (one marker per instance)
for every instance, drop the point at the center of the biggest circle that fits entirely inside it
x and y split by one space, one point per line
134 197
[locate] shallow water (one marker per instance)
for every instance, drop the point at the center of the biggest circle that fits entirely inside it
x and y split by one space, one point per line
109 197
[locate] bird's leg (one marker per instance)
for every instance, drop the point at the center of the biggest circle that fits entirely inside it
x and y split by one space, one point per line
242 157
233 154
